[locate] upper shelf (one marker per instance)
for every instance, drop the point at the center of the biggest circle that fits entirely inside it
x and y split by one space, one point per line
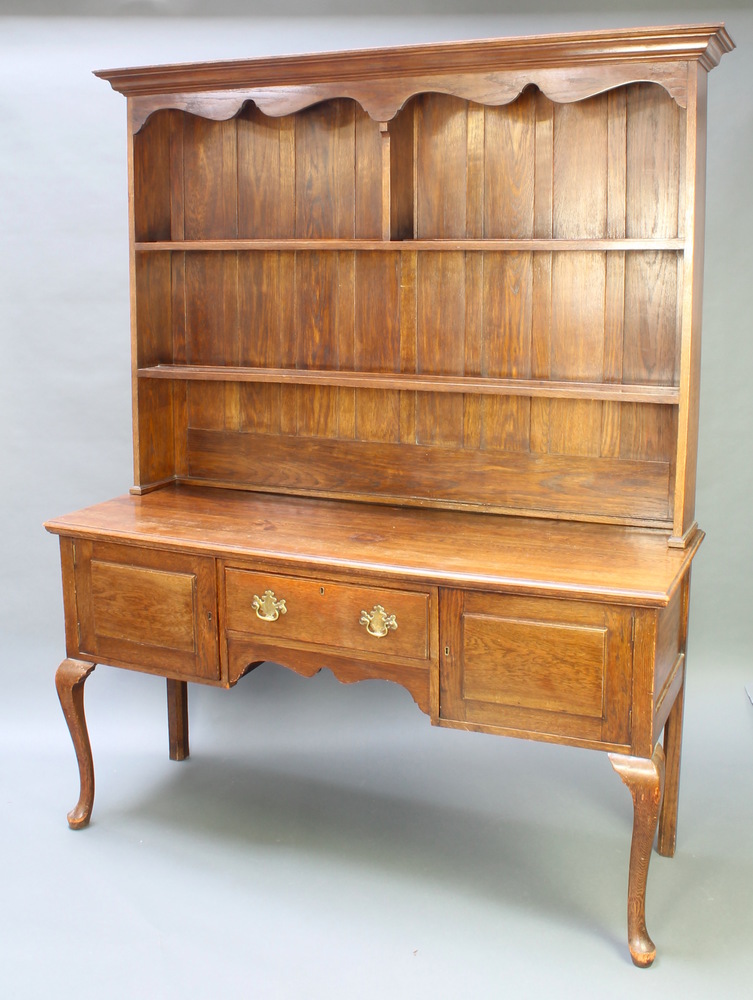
545 245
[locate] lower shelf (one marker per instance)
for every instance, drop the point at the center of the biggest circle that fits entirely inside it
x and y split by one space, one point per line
416 382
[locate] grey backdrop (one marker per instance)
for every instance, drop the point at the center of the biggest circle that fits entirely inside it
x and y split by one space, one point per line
65 410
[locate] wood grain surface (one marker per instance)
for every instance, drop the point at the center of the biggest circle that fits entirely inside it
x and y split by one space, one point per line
488 552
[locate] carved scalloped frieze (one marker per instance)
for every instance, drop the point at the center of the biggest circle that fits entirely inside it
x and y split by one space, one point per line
308 664
382 99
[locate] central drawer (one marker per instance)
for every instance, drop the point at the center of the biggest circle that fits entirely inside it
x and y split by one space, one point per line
321 613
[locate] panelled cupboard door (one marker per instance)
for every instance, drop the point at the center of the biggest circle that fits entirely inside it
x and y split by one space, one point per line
543 668
147 609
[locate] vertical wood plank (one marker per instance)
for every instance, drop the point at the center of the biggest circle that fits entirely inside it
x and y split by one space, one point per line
507 328
316 304
210 179
177 189
541 306
577 349
325 170
262 206
644 647
402 172
473 356
650 353
384 187
579 209
206 406
377 318
579 194
156 427
345 169
648 432
151 178
287 272
346 340
180 428
153 308
316 317
651 321
180 391
134 332
287 206
614 319
616 162
655 168
509 174
211 330
441 168
233 340
211 308
440 336
259 298
475 160
408 325
288 341
452 705
474 270
653 173
377 344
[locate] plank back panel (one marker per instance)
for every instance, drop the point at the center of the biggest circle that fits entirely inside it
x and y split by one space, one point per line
453 170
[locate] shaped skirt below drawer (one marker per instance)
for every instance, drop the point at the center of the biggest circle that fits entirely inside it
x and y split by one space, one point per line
320 613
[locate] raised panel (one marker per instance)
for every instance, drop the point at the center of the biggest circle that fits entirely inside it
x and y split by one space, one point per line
530 664
540 668
147 609
152 606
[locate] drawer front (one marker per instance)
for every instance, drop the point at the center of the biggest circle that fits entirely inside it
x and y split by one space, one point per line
546 667
152 610
321 613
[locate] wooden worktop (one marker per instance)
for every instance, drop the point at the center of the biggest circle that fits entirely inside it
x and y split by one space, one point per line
547 557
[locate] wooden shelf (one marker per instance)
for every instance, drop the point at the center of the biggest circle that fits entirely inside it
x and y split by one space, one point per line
545 388
544 245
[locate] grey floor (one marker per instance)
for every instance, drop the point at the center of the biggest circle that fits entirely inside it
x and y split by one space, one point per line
325 841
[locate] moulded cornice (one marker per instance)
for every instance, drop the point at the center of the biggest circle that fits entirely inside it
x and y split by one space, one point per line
705 43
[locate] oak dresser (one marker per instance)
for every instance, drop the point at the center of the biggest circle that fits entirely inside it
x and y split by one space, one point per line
415 363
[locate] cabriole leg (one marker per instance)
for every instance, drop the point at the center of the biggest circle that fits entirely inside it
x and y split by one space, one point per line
177 718
645 780
69 681
667 838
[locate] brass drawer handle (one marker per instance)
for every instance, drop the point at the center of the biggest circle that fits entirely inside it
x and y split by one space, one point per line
268 608
377 621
